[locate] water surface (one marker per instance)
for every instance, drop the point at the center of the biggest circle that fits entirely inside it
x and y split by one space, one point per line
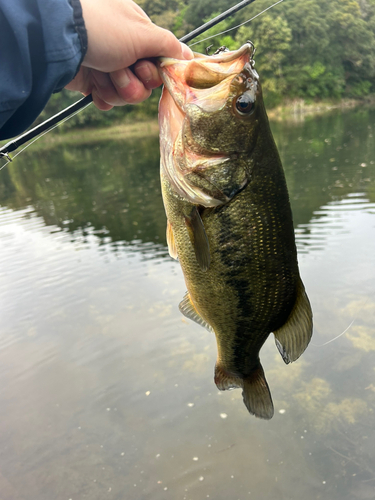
107 390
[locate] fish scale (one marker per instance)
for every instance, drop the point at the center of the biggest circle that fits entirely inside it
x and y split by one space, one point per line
234 237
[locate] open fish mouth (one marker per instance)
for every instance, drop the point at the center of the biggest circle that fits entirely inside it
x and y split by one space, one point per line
204 80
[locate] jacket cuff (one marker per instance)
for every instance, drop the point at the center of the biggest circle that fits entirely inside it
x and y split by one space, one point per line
79 25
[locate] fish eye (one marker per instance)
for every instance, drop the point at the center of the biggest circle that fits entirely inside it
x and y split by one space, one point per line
245 104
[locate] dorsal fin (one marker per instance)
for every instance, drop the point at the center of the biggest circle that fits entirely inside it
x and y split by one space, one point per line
171 243
187 308
198 238
294 336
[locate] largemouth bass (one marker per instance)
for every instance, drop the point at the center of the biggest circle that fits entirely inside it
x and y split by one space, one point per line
229 217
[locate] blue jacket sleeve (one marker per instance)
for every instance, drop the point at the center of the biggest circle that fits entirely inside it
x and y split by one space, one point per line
42 43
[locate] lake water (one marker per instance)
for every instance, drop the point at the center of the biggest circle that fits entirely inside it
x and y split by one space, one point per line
107 391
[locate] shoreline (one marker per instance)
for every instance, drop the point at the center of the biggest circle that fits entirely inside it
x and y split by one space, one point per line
90 135
295 111
298 109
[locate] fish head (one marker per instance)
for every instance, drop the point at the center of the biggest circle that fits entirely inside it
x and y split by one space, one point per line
209 114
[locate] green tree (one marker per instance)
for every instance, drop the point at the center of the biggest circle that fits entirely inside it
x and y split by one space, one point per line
166 13
271 37
218 40
159 7
310 49
333 35
353 43
205 9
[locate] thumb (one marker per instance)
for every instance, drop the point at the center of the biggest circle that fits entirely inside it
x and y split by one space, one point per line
163 43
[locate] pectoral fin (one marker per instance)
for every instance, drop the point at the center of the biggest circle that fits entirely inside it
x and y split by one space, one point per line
187 308
170 241
294 336
198 238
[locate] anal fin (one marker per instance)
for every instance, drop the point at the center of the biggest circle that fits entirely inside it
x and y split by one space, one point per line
187 308
170 241
294 336
256 394
198 238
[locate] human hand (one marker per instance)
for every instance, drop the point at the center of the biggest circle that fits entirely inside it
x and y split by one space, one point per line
121 35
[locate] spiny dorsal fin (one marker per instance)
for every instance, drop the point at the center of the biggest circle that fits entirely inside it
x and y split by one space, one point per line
171 243
256 394
198 238
294 336
187 308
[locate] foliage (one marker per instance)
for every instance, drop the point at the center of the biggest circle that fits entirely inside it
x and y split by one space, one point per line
309 49
166 13
271 37
203 9
218 40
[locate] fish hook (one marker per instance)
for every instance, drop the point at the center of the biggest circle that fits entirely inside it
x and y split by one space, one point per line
221 49
252 47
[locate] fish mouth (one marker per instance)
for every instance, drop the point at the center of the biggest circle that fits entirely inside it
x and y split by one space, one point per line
204 80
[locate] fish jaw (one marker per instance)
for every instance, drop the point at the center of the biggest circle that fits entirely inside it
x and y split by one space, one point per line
176 160
193 80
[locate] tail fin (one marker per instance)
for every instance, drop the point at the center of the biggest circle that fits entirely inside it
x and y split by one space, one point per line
256 394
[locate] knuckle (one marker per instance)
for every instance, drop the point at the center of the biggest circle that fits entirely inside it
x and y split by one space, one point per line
134 93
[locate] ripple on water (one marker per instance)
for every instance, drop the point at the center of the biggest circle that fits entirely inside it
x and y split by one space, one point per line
332 222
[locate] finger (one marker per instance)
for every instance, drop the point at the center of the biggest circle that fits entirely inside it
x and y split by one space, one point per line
159 42
128 87
187 52
106 91
99 103
148 74
82 82
141 12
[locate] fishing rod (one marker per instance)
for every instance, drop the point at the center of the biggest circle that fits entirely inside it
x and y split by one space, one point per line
82 103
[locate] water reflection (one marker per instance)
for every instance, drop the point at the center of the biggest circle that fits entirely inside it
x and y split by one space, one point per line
108 392
333 220
112 189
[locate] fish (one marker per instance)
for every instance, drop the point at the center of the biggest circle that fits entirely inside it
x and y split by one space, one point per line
229 220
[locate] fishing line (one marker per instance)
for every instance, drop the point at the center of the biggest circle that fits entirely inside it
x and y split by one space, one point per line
342 333
335 338
234 27
42 134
